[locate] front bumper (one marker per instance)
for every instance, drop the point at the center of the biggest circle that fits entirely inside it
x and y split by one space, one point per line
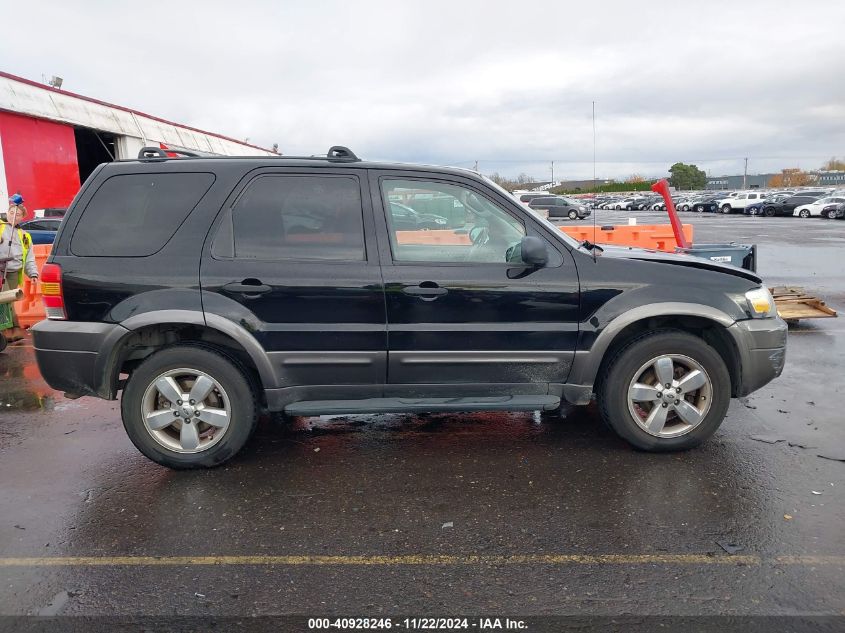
73 356
762 349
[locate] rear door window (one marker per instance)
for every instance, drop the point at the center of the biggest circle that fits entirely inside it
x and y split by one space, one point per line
281 217
134 215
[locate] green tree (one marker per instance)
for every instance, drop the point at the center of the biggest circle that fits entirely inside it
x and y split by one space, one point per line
687 177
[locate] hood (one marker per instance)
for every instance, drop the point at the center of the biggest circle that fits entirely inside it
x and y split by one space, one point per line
677 259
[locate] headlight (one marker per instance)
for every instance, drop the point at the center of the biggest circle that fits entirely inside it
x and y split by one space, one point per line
761 303
582 208
440 221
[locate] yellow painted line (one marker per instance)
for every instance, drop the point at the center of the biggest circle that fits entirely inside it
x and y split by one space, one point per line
413 559
810 559
385 561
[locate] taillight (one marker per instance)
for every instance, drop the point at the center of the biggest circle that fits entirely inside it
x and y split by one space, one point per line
51 292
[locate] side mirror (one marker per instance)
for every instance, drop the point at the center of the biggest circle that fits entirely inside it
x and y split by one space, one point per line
533 251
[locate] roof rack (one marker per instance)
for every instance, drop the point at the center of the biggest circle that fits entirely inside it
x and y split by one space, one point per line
336 154
341 153
157 152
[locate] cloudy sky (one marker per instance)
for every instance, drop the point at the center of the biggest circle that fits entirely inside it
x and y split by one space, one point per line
509 84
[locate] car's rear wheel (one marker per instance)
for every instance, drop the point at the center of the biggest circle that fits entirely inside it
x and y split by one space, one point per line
189 407
666 390
804 213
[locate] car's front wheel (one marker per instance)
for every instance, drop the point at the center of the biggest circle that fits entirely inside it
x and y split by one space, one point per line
189 407
666 390
804 213
573 215
726 208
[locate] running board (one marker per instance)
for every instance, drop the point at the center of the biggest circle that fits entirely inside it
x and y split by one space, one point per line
423 405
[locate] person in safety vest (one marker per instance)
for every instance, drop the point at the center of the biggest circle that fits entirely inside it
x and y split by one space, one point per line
16 257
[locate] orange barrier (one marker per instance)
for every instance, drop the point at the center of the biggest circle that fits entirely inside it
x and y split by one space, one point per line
30 309
655 236
434 236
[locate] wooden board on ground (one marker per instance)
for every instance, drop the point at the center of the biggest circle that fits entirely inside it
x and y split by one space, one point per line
795 303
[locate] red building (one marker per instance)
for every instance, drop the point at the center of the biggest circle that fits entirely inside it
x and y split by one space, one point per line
51 140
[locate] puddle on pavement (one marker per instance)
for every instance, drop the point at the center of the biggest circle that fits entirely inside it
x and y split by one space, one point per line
21 386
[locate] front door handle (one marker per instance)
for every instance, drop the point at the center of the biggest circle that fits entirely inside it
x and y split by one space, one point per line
427 291
250 288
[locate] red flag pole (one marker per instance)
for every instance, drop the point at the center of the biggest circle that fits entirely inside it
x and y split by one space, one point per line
662 187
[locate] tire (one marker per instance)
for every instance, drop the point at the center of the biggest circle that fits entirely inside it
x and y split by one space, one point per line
232 394
689 354
573 215
769 213
831 214
699 208
726 209
804 213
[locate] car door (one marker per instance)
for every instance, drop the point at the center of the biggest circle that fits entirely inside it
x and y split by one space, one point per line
292 259
461 318
795 201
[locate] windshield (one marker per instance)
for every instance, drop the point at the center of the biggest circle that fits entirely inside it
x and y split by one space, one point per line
549 225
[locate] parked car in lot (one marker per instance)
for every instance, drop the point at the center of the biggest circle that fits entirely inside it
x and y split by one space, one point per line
216 301
707 204
525 197
42 230
757 207
836 211
740 201
817 208
787 205
407 219
560 207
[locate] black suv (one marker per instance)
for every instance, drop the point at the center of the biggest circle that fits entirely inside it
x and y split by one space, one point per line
209 290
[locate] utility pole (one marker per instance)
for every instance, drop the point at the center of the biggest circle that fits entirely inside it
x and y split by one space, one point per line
745 174
553 173
475 169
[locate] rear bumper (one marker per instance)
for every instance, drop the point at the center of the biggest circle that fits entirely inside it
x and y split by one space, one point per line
72 356
762 348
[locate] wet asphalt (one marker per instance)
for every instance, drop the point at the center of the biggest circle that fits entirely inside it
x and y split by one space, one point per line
487 513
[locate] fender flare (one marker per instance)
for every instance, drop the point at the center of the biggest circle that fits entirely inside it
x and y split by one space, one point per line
585 366
107 358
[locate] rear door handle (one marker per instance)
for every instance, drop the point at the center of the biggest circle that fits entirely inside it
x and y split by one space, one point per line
248 287
427 291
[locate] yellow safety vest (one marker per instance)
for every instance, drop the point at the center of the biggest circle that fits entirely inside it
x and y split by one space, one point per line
26 242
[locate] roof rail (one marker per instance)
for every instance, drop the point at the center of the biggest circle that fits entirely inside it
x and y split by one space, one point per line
342 154
157 152
336 154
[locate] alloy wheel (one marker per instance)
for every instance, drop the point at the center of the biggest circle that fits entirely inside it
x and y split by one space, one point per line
186 410
670 395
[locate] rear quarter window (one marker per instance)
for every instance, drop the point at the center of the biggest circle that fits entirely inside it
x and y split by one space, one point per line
134 215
